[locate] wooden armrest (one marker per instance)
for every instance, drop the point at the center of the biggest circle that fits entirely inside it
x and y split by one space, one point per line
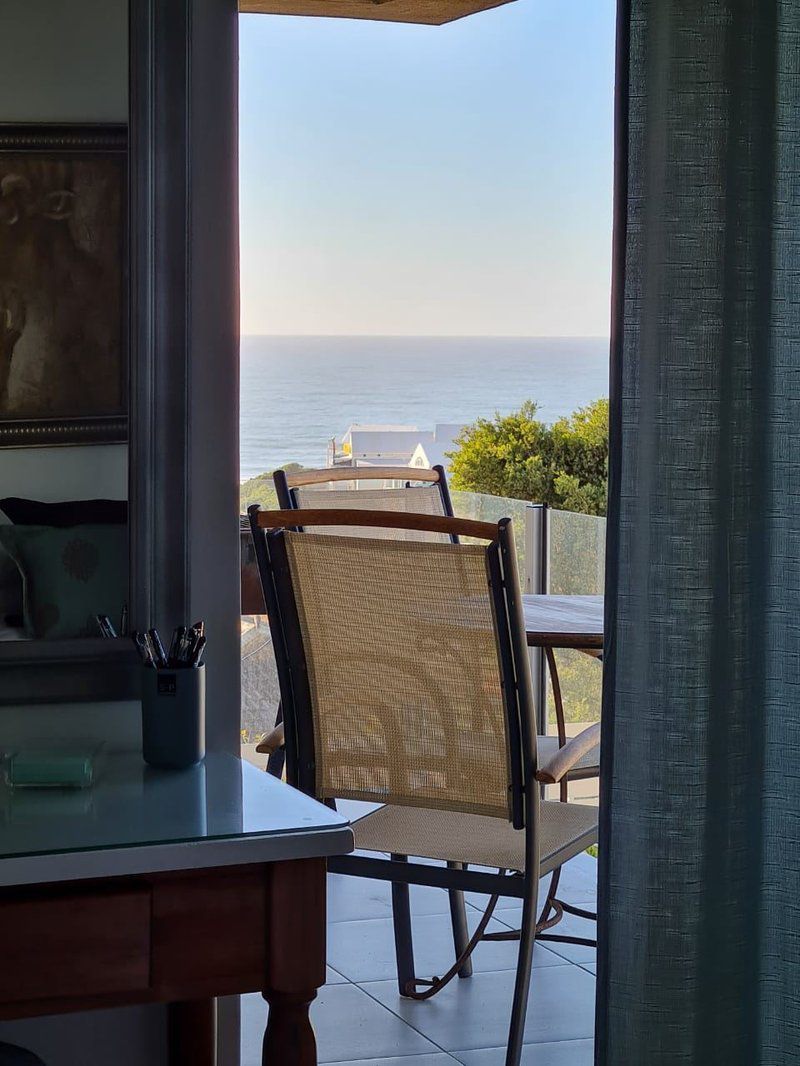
269 744
551 772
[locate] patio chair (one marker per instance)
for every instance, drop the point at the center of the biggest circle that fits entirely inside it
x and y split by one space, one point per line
410 489
430 496
418 491
425 708
402 489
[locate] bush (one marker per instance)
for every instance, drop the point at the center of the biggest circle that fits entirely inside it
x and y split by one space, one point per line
517 455
261 489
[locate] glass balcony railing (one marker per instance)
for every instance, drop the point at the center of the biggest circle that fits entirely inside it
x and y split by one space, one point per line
576 566
577 550
483 508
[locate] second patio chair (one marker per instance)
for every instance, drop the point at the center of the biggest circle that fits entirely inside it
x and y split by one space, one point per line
426 708
388 488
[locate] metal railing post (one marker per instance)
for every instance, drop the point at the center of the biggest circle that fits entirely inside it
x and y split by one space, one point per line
537 582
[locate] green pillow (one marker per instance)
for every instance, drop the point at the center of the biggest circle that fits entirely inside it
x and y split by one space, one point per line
69 576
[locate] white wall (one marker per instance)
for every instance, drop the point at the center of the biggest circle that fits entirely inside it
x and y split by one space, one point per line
67 61
64 61
51 474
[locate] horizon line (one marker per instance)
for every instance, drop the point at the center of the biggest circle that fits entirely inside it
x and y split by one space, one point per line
449 336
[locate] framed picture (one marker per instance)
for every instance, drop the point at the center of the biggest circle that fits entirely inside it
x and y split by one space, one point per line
63 285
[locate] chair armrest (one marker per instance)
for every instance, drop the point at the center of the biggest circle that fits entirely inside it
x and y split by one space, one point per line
269 744
564 760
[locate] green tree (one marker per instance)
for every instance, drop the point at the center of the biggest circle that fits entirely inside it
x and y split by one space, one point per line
261 488
518 455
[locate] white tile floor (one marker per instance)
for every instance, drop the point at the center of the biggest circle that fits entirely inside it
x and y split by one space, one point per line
361 1020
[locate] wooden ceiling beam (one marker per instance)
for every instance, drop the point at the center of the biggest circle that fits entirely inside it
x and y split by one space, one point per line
422 12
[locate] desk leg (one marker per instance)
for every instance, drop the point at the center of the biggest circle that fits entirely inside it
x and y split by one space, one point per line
295 959
192 1033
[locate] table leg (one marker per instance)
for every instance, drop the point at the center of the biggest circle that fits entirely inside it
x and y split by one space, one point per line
561 726
295 959
192 1033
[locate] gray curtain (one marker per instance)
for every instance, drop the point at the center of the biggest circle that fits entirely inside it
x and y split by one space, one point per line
699 957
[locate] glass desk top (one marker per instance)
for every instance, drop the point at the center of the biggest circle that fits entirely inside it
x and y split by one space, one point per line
135 819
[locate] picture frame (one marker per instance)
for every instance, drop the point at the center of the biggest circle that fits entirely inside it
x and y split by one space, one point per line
63 285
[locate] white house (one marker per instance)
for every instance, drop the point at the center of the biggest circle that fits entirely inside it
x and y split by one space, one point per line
393 445
434 452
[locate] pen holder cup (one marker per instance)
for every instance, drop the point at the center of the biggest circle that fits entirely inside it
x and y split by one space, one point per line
174 717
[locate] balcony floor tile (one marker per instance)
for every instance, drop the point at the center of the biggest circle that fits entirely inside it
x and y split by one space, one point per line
364 951
562 1053
475 1013
350 1026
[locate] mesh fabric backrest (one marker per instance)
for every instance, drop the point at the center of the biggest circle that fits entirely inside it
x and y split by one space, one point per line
403 669
424 500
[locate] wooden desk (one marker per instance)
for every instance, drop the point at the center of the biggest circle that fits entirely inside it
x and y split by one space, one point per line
159 887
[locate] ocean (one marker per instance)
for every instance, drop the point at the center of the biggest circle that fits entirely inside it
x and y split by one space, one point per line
298 392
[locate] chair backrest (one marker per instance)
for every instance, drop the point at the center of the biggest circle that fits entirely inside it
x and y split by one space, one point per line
403 667
421 491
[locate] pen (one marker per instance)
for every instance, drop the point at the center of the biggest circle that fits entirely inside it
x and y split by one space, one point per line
177 636
106 628
184 647
198 651
196 635
143 648
123 621
158 647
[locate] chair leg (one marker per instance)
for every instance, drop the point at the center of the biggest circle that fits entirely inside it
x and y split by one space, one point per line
403 937
277 760
523 980
276 763
458 918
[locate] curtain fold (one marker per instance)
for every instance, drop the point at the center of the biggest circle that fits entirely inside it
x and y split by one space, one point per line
700 824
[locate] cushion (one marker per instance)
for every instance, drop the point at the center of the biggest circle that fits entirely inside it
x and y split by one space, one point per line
65 513
69 575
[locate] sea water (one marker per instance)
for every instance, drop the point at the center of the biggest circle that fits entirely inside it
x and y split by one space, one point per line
298 392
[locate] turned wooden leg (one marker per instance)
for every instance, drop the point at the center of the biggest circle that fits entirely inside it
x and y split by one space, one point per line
295 960
192 1033
289 1036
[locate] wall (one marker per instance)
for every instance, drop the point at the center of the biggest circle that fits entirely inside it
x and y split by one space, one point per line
67 61
50 474
64 61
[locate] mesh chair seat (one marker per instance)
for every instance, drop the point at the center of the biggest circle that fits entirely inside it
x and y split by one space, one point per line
587 766
565 830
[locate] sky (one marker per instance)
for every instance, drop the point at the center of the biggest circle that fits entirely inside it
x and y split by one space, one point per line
414 180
